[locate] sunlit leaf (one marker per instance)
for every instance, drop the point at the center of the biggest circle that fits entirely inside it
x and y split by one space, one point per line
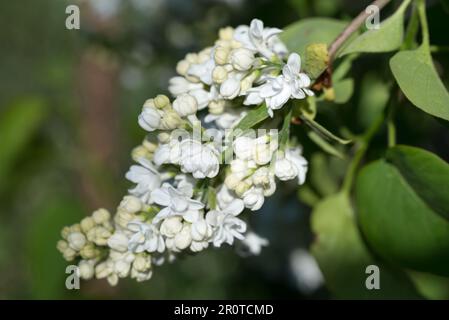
387 37
418 79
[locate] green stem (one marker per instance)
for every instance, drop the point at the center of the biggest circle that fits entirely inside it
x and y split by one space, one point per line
412 29
391 133
424 25
391 127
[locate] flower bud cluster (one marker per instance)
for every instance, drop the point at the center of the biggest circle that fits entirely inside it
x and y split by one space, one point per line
183 198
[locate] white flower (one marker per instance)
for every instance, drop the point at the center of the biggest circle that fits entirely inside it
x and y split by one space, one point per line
185 183
145 238
230 88
200 230
130 204
118 241
167 153
244 148
122 268
284 169
225 196
294 155
150 117
277 91
146 177
171 226
180 85
197 246
256 37
226 225
242 59
183 239
202 160
203 71
252 244
185 105
203 97
226 120
254 198
176 203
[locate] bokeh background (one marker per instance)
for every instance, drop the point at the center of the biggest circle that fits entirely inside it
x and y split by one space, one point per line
69 101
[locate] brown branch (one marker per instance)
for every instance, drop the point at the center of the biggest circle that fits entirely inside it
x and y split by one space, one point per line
351 28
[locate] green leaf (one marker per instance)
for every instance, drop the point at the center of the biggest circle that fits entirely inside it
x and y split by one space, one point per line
343 90
426 173
323 132
254 117
17 126
45 263
431 286
321 177
419 81
374 94
299 35
387 38
396 220
343 257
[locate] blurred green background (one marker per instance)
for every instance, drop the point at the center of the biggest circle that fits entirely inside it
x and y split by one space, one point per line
69 101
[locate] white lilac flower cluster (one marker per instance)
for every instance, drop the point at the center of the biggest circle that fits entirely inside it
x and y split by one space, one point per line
187 196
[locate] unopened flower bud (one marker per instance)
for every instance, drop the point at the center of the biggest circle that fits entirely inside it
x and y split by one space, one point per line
101 215
221 55
171 226
62 245
170 120
200 230
150 146
226 34
182 67
87 223
89 251
86 269
183 238
142 263
161 101
241 188
216 106
150 118
263 154
242 59
69 254
119 242
236 44
185 105
131 204
230 88
76 240
231 181
219 74
192 58
163 137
